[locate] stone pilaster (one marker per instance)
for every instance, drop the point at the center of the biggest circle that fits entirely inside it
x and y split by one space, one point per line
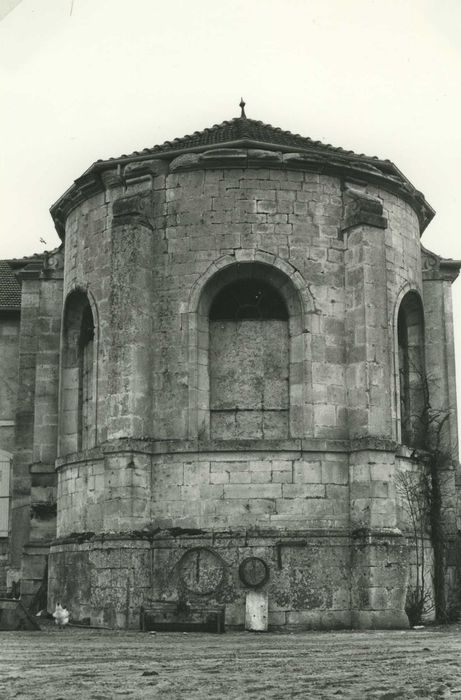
366 326
131 318
378 569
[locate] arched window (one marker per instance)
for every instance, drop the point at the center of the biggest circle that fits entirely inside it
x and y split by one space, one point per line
249 362
249 349
78 402
412 379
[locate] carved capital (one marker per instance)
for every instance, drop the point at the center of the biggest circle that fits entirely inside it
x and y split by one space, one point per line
138 171
111 178
361 209
53 263
136 209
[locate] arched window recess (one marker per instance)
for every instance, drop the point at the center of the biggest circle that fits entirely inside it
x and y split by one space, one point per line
78 401
412 384
251 351
249 299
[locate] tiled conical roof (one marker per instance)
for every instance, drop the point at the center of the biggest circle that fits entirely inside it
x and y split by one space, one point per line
243 130
246 137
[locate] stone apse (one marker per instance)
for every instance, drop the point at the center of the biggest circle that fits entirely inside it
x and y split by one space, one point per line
236 319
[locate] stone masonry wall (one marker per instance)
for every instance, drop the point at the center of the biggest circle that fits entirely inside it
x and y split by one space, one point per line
307 585
249 379
9 344
34 477
218 491
198 218
291 215
24 424
128 491
148 252
87 266
403 273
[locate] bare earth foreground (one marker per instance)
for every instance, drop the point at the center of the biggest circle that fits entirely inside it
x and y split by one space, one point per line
80 664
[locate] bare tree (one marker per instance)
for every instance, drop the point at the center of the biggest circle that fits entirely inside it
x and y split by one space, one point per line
422 493
412 488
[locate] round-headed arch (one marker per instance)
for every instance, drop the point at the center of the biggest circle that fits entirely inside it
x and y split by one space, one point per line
77 298
277 272
295 296
79 371
409 365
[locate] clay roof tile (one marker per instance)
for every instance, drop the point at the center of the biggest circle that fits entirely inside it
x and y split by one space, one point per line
10 288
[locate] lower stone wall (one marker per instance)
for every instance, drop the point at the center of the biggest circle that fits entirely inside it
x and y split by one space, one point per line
106 580
308 575
141 522
379 579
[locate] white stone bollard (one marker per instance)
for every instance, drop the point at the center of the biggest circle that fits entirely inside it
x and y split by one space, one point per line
256 611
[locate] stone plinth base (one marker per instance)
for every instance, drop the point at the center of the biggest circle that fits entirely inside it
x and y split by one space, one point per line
379 619
306 576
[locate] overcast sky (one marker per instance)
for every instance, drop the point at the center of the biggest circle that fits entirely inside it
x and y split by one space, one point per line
88 79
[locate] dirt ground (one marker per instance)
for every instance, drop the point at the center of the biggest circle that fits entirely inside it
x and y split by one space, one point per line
102 664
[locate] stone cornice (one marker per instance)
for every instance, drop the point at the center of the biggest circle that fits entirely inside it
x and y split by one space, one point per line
295 446
146 537
244 153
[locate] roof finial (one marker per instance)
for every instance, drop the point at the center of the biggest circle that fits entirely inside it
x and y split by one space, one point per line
242 107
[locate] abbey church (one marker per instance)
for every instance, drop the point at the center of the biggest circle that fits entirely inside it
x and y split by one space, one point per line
215 383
